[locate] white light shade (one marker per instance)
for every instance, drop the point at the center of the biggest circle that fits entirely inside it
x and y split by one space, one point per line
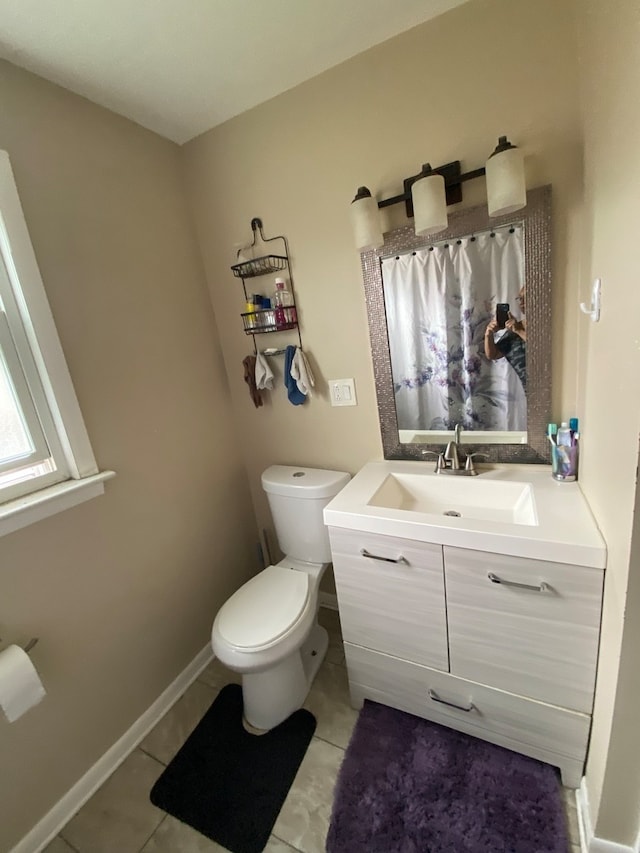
365 220
429 205
506 188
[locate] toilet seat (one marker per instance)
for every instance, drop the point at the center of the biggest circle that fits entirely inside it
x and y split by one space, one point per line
264 609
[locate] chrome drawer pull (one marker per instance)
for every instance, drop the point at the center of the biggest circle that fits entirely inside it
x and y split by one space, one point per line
433 695
400 559
544 587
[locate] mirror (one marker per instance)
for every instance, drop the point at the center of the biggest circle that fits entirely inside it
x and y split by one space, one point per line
440 354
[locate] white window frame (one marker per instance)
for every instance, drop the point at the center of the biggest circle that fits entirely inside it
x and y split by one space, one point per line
33 322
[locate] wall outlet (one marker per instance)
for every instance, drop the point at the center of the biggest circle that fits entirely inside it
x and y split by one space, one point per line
343 392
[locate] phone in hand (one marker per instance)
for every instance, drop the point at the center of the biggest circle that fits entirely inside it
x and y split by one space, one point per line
502 314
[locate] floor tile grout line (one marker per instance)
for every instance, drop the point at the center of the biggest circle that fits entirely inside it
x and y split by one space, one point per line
60 835
330 742
162 820
297 849
155 757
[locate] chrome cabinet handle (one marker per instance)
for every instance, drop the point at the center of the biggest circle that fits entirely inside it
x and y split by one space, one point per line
400 559
433 695
543 587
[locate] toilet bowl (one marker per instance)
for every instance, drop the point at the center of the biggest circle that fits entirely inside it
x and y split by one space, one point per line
268 630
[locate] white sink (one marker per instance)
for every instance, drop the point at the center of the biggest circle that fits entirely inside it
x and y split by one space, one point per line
508 509
458 497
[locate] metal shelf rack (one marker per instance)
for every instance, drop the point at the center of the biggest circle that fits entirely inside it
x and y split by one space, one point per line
262 322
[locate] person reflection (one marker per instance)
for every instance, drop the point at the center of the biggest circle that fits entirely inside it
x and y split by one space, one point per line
509 342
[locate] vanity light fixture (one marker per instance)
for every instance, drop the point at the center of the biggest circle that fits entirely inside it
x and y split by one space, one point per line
366 222
506 189
429 202
428 194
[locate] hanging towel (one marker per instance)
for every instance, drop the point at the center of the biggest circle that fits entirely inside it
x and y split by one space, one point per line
296 397
264 374
249 364
302 373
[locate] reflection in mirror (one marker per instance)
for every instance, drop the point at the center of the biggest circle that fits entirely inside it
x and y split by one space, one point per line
453 359
452 339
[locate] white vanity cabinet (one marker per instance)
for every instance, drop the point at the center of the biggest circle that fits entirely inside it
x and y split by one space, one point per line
500 647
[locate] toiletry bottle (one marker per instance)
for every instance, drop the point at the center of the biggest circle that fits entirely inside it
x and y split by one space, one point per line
269 315
250 315
285 313
257 307
564 435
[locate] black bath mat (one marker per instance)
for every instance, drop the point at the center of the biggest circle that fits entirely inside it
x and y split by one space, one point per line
228 784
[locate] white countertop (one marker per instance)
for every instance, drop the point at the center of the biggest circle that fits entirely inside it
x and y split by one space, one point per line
566 531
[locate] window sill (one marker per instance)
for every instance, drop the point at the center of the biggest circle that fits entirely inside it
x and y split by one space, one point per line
24 511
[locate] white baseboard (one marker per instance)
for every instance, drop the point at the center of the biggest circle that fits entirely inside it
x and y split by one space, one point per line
51 824
589 843
328 599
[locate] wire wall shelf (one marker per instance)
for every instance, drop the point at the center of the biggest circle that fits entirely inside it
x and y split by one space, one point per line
262 322
260 266
275 319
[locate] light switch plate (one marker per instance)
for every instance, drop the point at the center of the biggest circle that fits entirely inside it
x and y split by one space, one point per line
343 392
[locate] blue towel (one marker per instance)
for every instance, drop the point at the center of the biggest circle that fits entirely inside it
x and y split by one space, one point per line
295 395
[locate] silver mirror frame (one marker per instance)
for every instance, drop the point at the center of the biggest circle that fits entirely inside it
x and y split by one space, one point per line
537 221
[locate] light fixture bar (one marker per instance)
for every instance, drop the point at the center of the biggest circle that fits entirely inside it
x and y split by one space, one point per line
453 178
428 194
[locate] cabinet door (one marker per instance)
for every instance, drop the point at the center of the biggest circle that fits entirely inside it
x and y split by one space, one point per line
392 600
526 626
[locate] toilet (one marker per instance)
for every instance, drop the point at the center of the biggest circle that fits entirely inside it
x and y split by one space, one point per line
268 630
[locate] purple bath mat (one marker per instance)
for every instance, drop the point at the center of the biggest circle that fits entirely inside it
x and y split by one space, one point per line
411 786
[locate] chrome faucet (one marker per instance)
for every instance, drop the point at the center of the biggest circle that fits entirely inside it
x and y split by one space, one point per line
454 460
454 453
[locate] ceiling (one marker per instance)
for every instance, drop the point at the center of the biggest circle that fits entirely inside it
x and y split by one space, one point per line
180 67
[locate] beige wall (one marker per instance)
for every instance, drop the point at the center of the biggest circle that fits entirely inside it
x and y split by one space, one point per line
442 91
121 590
610 73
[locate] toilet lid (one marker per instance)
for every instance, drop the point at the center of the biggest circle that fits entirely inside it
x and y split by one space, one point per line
264 608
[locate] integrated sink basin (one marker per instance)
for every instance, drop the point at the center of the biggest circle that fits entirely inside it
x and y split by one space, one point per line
458 497
517 510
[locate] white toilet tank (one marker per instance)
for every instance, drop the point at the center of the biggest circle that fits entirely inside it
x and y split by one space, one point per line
297 497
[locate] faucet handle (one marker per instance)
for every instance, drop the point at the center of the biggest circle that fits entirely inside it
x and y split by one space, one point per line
470 467
440 463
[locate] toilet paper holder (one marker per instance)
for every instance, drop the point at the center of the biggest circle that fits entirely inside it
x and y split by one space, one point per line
27 648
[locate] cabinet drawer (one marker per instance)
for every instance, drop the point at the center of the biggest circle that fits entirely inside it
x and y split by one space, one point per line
525 725
541 644
396 607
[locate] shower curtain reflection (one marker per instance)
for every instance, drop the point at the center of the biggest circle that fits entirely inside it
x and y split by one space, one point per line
439 301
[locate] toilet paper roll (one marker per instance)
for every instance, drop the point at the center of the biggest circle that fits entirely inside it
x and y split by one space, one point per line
20 685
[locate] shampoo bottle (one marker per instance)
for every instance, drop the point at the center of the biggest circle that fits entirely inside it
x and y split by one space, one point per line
285 313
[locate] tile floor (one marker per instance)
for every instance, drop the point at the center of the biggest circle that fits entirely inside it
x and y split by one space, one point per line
119 818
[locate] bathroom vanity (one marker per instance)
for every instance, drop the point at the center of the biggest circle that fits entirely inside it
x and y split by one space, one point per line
473 602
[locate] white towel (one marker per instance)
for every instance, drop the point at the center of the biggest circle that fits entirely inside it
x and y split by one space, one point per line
301 372
264 374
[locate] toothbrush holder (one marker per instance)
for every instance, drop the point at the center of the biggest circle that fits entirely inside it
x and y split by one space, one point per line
564 462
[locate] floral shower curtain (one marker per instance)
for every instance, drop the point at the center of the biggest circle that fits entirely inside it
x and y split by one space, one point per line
439 301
